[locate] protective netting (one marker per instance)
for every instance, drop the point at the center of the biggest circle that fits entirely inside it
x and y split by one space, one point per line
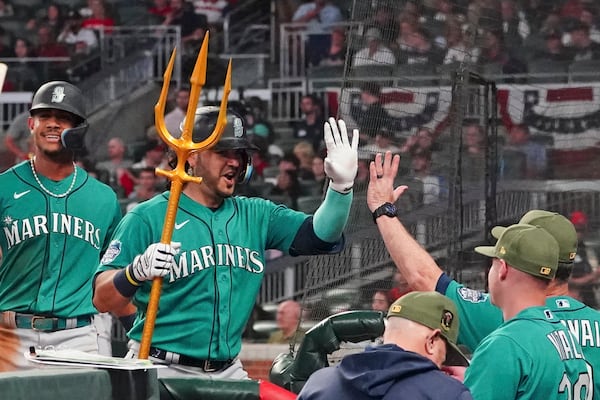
484 133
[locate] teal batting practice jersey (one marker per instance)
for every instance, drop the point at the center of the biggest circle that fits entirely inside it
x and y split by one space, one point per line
479 317
532 356
51 246
207 299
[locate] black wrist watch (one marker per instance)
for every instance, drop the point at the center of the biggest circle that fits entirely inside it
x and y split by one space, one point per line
387 209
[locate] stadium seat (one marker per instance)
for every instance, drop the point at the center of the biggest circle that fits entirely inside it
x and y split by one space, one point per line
415 75
546 71
329 75
584 71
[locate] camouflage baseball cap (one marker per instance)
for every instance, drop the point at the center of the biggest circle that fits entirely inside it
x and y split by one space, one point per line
528 248
435 311
561 229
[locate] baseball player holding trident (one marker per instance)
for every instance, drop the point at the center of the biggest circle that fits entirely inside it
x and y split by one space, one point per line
213 266
52 234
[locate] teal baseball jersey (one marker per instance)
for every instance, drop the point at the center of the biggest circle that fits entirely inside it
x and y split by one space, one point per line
207 298
531 356
51 246
479 317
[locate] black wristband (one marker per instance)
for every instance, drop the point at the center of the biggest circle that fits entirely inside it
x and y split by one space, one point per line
123 284
127 321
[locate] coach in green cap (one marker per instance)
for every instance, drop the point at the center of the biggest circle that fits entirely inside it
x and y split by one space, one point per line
532 351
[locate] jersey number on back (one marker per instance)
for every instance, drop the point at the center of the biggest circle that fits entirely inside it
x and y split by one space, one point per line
573 390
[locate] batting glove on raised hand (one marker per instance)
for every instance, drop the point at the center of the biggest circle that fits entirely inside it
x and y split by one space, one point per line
341 162
155 262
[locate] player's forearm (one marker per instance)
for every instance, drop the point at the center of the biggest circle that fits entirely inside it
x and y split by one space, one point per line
412 260
106 296
331 217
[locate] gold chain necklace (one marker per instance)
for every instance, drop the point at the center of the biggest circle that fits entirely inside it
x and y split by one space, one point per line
32 161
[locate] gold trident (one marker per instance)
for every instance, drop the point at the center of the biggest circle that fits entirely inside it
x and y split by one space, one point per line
183 147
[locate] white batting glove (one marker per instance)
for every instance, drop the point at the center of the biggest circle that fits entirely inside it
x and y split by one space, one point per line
155 262
341 162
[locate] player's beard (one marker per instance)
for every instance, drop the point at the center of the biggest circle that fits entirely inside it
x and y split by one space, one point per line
60 156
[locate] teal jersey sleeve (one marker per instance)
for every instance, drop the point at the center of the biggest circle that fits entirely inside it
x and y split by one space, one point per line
50 245
478 316
532 356
208 297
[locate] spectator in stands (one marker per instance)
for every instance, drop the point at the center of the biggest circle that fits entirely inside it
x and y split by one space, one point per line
5 50
473 161
81 41
335 54
117 167
174 118
586 274
368 111
581 43
288 317
145 187
25 74
384 141
589 16
286 188
193 26
420 336
101 17
553 49
432 188
380 301
494 52
305 153
311 126
422 50
519 141
154 157
318 170
571 9
399 287
442 12
18 137
319 15
384 19
160 9
212 10
515 27
6 9
48 47
459 43
409 23
375 53
53 18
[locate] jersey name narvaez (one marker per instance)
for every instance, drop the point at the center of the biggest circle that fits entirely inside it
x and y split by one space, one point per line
17 231
586 331
225 255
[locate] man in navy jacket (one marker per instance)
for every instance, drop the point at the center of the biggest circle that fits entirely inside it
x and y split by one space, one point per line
420 336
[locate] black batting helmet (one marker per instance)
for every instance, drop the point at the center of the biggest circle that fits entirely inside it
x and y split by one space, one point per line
234 135
59 95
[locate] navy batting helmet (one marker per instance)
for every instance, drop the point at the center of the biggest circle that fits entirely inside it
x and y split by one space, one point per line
234 135
59 95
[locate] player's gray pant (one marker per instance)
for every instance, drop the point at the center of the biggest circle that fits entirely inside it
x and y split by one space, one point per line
235 370
83 339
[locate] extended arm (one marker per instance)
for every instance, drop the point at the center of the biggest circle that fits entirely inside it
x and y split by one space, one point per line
412 260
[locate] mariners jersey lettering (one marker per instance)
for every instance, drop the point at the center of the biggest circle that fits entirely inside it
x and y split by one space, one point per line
51 246
17 231
211 291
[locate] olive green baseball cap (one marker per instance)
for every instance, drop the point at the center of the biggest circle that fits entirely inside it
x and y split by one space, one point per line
528 248
561 229
435 311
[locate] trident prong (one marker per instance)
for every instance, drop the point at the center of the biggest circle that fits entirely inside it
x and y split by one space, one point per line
183 147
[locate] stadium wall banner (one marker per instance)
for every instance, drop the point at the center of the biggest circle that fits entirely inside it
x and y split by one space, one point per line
567 113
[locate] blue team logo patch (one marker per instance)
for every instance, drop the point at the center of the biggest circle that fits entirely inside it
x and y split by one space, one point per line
473 296
114 248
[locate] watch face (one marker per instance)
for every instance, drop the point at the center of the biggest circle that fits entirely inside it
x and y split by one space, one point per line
390 209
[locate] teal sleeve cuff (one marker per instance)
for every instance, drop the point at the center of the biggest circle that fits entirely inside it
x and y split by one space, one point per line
331 217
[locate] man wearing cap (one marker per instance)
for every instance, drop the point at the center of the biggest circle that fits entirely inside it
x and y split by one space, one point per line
420 336
53 233
375 52
479 316
532 355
